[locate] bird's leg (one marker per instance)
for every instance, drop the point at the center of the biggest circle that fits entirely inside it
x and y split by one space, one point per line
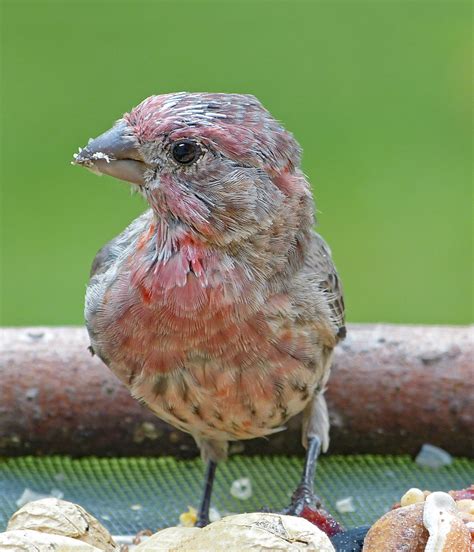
203 513
304 493
315 433
304 502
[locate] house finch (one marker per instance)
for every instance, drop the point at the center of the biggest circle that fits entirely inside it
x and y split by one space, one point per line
219 307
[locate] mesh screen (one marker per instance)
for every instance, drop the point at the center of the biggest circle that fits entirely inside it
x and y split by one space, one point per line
130 494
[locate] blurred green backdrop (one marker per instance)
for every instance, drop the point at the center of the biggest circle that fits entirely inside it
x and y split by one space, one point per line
378 94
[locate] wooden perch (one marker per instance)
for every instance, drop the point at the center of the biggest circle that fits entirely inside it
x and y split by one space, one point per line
392 389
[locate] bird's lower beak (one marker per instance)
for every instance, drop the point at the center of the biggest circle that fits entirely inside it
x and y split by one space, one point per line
115 153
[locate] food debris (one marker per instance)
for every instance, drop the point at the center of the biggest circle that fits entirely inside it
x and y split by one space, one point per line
412 496
322 519
144 533
433 457
345 505
214 515
254 531
463 493
466 505
241 488
189 518
136 507
447 530
146 430
59 517
91 157
100 155
124 540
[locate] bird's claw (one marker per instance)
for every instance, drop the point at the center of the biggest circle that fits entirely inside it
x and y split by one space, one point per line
302 498
202 522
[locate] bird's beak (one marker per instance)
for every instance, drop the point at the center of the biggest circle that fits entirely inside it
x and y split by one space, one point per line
115 153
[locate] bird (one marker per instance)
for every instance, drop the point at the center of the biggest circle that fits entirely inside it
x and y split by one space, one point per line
219 307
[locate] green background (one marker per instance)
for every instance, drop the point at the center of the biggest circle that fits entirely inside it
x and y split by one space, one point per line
378 94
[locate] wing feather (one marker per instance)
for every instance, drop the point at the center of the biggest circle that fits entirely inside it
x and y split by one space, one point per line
330 282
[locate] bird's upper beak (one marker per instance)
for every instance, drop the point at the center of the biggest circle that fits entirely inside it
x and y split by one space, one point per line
115 152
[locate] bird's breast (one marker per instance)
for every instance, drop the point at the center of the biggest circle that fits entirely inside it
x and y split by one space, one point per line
209 350
153 317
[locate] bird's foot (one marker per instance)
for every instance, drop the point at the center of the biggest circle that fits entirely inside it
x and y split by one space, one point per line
202 521
302 497
305 504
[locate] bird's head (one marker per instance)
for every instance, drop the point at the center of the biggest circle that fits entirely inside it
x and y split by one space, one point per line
218 164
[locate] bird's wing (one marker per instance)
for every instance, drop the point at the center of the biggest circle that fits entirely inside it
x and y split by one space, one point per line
329 282
105 257
109 253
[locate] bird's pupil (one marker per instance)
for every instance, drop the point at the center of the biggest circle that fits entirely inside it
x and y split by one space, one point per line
185 152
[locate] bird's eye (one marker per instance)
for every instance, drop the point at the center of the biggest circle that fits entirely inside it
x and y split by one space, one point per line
185 152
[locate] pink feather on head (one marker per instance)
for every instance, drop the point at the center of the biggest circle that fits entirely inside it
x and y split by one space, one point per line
237 124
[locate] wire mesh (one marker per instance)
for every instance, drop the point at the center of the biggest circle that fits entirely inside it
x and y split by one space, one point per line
131 494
